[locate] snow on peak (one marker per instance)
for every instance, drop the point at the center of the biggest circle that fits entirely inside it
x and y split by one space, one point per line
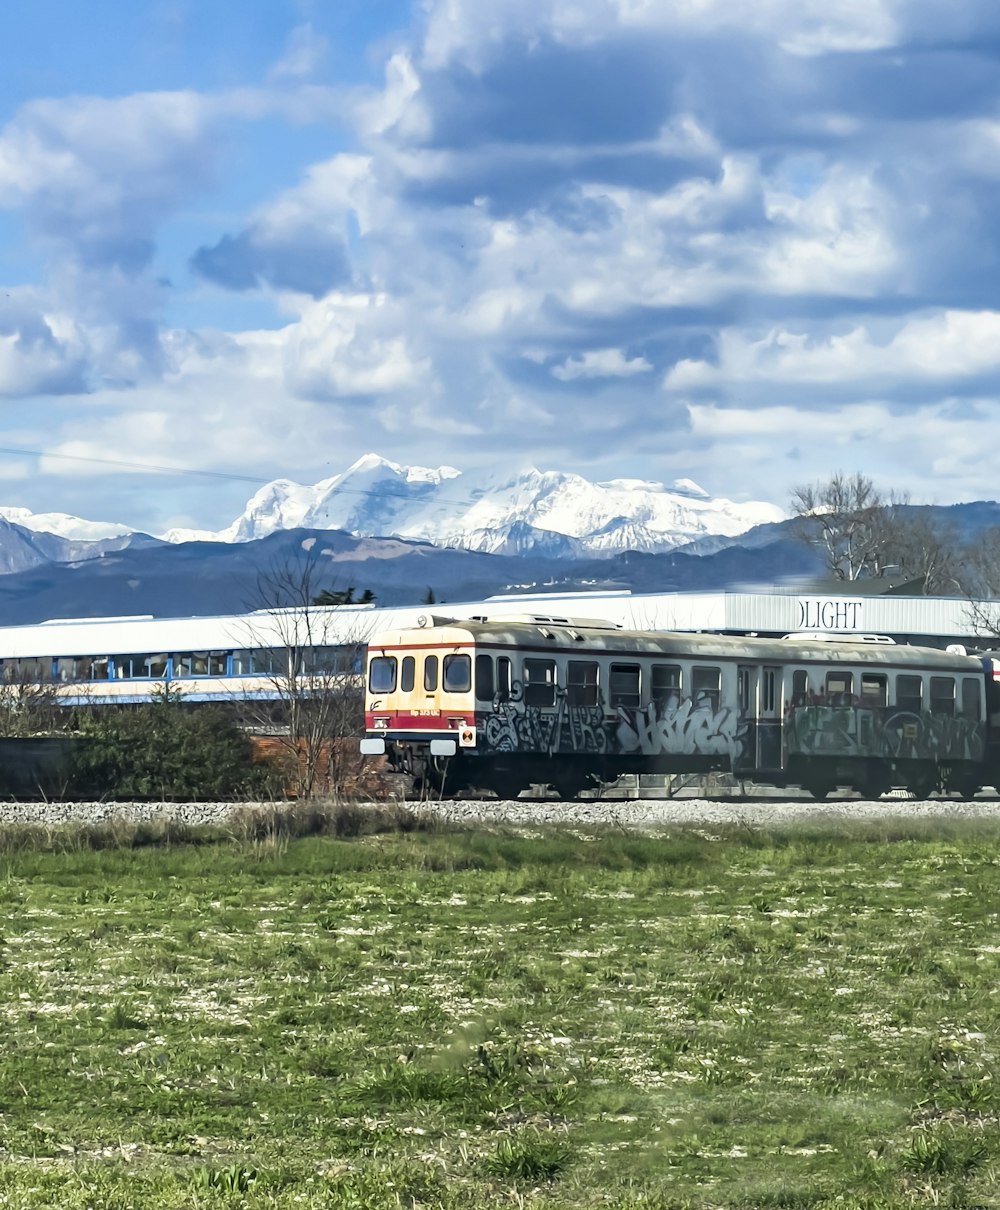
687 487
378 498
559 511
65 526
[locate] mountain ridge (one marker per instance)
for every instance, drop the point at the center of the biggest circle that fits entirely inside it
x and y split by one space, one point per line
561 513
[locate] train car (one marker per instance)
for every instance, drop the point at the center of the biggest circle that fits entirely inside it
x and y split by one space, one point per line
501 704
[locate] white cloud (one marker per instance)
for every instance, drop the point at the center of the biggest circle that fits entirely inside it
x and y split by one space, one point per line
305 51
947 345
468 29
601 363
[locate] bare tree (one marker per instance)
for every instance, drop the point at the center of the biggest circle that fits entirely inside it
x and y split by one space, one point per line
309 655
28 706
980 583
862 534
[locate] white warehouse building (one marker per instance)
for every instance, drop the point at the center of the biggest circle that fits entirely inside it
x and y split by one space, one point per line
211 658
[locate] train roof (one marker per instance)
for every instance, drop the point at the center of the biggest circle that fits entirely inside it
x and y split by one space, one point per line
584 635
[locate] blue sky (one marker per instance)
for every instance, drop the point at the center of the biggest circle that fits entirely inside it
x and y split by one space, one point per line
744 243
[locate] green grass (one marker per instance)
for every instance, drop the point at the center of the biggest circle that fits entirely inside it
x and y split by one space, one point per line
721 1017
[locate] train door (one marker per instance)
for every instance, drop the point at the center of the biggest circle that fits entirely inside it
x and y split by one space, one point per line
747 687
769 718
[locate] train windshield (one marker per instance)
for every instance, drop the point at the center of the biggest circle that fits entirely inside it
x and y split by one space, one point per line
382 674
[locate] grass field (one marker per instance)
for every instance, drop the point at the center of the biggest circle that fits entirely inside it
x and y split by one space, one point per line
739 1018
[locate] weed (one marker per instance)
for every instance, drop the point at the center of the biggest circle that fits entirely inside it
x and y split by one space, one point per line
529 1156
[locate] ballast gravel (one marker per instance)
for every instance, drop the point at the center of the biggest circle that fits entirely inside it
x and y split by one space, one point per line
636 814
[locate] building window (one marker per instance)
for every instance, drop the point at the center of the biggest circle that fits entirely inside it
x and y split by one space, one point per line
539 682
270 661
199 663
581 683
242 662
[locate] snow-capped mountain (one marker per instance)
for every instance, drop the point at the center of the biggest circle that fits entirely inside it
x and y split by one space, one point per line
547 513
537 511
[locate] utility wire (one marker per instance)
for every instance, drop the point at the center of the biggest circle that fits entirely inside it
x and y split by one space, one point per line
192 470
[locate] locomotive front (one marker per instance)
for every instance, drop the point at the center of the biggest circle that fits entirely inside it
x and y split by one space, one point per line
419 703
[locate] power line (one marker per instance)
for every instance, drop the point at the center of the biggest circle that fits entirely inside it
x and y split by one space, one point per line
193 470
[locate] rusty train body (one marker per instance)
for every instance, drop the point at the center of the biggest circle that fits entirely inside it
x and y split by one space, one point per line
501 704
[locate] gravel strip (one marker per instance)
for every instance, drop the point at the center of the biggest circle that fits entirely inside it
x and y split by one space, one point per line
631 814
655 813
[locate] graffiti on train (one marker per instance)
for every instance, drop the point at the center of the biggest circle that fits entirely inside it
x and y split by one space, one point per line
514 726
853 731
682 727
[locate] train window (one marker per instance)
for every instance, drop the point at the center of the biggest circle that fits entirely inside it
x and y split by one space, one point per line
407 674
705 684
874 689
909 693
504 678
581 683
800 687
768 698
539 682
456 673
971 698
665 685
839 688
623 685
430 673
743 689
484 678
942 695
382 674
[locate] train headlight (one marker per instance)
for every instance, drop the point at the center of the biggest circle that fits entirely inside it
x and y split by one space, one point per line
381 724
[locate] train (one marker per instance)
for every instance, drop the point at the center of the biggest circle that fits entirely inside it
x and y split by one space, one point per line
499 704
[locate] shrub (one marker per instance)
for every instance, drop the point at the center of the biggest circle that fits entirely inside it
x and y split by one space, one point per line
166 751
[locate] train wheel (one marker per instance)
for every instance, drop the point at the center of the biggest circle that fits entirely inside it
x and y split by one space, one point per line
965 785
818 788
503 784
923 784
876 783
569 785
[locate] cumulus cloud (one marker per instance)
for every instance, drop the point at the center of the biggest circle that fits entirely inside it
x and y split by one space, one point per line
950 345
601 363
536 201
